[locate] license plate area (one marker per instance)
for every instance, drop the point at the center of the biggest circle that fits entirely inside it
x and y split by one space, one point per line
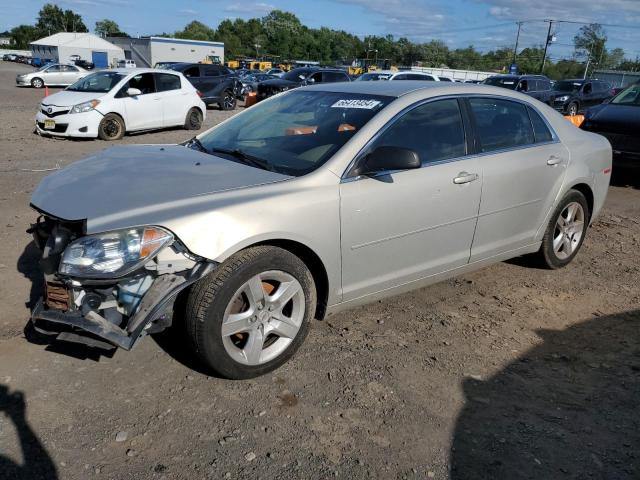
49 124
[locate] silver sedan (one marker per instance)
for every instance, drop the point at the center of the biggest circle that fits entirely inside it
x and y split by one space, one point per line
311 202
54 75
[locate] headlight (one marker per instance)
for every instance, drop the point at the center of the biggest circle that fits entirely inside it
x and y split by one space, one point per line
563 98
85 107
113 254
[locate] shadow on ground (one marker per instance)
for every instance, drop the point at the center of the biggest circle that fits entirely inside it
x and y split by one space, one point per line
36 462
568 409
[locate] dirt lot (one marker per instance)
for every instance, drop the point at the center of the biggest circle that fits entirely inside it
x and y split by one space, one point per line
508 373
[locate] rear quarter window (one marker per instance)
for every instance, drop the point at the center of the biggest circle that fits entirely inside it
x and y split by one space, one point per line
540 130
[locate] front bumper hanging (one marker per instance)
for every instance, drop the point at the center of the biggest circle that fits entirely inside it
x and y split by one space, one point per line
75 326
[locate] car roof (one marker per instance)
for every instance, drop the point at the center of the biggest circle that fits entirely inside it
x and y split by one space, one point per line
398 89
128 71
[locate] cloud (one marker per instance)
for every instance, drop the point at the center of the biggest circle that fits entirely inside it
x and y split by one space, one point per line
250 8
187 11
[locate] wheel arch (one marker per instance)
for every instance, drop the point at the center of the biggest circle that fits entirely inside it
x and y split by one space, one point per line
588 194
313 262
119 115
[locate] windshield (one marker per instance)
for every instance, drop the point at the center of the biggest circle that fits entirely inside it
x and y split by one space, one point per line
295 74
504 82
630 96
567 86
296 132
368 77
100 82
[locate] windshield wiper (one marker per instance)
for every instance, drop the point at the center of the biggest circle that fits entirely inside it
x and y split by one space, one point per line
195 142
244 157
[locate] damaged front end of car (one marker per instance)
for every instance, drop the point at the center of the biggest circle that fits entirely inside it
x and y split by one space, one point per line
109 289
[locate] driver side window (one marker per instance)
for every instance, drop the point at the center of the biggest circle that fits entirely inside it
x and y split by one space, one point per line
317 77
588 88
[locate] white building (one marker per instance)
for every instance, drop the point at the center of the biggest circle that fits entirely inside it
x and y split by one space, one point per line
63 46
148 51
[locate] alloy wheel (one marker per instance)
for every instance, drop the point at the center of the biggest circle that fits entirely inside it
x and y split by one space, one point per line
263 317
228 101
568 231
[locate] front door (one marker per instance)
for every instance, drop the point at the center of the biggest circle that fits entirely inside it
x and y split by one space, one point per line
398 227
145 110
523 167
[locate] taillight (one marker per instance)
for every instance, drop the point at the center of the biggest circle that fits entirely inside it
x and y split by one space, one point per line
200 94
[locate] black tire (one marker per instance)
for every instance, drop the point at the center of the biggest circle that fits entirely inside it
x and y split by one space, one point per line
193 120
37 83
573 108
111 127
209 298
547 255
229 101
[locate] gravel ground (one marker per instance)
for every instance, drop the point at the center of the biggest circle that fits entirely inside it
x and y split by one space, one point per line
508 373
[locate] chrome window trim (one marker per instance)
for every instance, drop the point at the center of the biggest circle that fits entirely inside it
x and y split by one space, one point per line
351 178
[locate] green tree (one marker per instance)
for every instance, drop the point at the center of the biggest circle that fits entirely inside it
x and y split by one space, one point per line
52 19
590 44
108 28
196 31
23 35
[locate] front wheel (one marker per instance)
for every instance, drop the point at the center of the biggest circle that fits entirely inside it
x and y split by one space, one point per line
229 101
252 313
111 127
566 231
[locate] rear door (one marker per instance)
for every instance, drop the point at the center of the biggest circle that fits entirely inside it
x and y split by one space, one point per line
172 97
54 75
523 166
212 81
400 227
145 110
69 74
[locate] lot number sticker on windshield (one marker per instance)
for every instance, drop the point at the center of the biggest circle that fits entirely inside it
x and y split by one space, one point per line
365 104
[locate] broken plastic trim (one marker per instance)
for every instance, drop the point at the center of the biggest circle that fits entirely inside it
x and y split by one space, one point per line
163 290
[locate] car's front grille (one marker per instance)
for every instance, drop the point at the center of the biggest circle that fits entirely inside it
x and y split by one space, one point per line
54 114
59 128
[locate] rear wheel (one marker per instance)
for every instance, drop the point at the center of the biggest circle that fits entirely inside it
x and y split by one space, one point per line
251 315
111 127
193 120
566 231
229 101
37 83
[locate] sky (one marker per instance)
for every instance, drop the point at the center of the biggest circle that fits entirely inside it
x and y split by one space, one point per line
486 24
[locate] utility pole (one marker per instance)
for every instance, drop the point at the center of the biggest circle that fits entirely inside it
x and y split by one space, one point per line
515 49
546 46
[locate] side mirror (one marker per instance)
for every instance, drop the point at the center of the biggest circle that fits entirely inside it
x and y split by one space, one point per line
384 159
133 92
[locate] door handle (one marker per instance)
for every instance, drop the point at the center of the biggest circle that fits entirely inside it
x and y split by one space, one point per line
464 177
554 160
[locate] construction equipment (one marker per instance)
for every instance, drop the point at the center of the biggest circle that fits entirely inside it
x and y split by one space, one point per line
212 59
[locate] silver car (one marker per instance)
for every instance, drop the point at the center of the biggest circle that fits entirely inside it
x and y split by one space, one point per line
311 202
53 75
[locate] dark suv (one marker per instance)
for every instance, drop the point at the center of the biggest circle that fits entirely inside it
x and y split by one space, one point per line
217 83
573 96
298 77
536 86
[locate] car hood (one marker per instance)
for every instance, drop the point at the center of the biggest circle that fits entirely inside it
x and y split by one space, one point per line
613 118
66 98
138 181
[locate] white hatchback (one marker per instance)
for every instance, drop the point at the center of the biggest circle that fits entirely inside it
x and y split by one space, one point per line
108 103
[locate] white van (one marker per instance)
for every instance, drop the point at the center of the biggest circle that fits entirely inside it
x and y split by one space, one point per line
126 64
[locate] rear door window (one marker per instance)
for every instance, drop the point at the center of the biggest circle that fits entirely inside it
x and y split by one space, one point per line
211 72
501 124
192 72
166 82
434 130
331 77
540 130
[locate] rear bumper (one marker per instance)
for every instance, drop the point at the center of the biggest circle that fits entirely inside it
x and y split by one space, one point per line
91 327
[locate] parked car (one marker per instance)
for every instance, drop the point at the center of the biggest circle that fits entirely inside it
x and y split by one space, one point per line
12 57
86 64
396 75
126 64
250 82
218 84
571 97
109 103
298 77
536 86
276 72
164 64
56 74
5 57
619 121
320 199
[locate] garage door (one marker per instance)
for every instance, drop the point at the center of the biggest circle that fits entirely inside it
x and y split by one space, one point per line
99 59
